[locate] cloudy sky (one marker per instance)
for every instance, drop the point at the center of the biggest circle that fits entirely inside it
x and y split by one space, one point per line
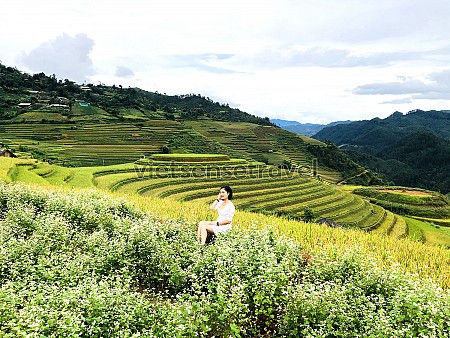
306 60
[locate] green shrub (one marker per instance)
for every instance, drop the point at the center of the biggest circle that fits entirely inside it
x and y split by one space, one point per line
82 264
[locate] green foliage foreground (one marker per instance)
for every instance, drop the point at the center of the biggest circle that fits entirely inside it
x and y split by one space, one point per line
85 264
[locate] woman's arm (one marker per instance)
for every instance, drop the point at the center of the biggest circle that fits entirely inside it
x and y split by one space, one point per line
224 222
214 203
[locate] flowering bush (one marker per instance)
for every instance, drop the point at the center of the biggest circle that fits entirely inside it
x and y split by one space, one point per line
84 264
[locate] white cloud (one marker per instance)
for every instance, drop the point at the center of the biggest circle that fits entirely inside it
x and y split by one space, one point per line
65 56
398 101
437 88
395 88
124 72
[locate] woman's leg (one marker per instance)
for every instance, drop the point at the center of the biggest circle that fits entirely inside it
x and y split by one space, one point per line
202 232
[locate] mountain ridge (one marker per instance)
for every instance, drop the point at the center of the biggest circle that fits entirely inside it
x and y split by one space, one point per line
20 92
411 149
307 129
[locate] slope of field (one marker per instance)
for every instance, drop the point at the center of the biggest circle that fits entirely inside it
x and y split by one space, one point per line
428 232
430 210
409 201
84 263
264 143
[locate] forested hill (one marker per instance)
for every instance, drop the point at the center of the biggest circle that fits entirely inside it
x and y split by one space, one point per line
378 132
410 149
15 86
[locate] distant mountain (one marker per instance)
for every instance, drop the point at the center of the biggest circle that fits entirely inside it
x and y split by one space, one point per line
307 129
284 123
381 132
410 149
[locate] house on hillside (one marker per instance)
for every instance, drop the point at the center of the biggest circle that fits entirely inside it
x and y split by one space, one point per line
58 105
82 103
63 99
329 222
6 153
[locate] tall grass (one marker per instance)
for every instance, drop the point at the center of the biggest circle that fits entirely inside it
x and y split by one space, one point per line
416 258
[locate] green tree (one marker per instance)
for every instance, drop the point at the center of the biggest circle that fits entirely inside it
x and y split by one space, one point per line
308 215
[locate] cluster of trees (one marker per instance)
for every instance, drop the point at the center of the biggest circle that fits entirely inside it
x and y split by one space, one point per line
16 87
14 81
421 159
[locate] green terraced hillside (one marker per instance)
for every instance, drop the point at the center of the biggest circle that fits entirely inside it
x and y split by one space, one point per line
428 211
414 202
105 144
257 187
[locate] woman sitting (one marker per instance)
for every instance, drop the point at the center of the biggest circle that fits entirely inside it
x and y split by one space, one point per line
222 224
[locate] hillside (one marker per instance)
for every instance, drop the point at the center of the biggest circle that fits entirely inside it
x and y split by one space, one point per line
409 150
61 122
21 93
109 249
257 187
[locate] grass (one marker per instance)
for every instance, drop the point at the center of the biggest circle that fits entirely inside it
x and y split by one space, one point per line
427 232
414 257
23 173
7 164
439 221
108 181
80 139
53 174
289 195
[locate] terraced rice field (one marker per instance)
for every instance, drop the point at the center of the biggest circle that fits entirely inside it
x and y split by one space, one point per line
254 139
90 143
256 186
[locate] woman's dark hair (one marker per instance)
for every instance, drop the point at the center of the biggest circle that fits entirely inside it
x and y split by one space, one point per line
228 190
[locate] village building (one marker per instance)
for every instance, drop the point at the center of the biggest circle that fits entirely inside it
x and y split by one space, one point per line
58 105
6 153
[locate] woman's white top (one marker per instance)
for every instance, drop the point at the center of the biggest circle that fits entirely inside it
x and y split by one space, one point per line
225 214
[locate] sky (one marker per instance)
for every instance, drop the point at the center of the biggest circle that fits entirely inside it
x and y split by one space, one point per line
311 61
